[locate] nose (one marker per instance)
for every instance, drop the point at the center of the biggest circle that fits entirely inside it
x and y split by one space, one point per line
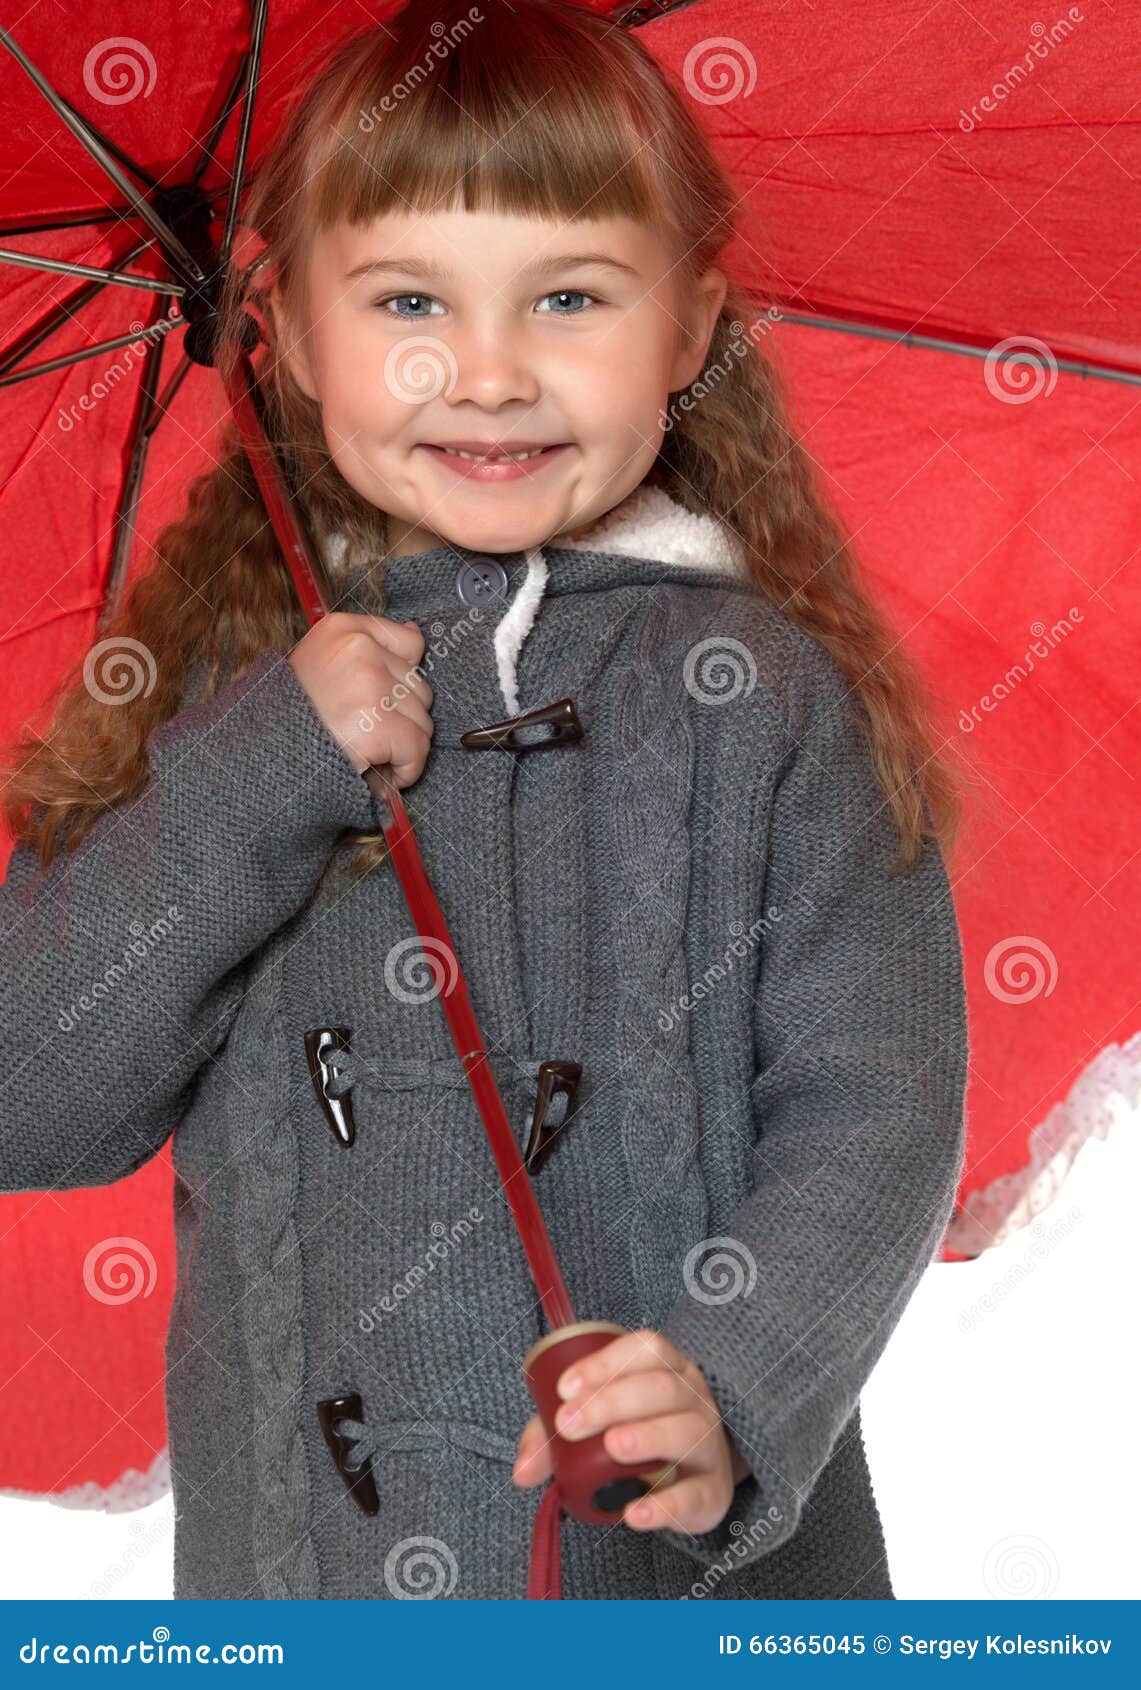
491 368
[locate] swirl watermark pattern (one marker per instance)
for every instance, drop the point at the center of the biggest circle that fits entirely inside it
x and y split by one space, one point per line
719 69
728 670
728 1270
117 1270
419 1569
116 670
419 369
118 70
416 969
1019 369
1020 969
1021 1567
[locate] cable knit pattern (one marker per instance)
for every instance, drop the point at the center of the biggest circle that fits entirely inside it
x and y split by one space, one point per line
649 807
265 1149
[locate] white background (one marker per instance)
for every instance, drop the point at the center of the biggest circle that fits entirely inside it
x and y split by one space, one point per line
1001 1425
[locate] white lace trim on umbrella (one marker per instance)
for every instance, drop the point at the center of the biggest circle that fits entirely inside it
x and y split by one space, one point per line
129 1491
1106 1093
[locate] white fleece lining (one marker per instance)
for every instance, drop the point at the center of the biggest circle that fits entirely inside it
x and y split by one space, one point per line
646 523
649 523
515 625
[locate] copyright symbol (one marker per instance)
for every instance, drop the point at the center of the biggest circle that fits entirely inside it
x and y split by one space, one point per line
882 1645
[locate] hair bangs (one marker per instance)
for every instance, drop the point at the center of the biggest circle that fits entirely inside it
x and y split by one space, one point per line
532 135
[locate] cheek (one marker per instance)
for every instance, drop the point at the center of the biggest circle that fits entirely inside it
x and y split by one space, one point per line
619 385
356 395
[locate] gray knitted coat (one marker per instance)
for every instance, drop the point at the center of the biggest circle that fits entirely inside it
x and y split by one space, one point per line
692 902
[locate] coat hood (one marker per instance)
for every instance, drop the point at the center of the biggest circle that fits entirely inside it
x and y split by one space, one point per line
648 523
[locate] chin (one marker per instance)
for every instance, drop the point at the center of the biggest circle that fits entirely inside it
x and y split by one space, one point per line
493 540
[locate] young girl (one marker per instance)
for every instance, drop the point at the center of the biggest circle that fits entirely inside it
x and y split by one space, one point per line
489 285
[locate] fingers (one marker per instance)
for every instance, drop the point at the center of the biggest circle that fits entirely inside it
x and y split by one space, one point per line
694 1504
634 1396
403 639
685 1438
407 747
533 1460
632 1353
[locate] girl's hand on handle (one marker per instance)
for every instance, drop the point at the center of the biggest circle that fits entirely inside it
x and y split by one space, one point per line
361 677
651 1402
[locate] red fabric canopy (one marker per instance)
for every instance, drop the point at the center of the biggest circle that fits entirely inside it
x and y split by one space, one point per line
961 177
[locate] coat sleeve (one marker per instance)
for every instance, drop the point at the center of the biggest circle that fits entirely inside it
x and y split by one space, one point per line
861 1048
122 964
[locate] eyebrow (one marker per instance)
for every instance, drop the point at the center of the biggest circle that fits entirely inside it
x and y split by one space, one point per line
438 272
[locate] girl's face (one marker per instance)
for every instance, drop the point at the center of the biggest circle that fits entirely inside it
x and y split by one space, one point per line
496 334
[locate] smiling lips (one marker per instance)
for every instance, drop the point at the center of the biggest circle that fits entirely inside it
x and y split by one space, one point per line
488 461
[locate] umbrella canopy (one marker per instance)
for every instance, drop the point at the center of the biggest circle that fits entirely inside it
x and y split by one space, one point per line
937 220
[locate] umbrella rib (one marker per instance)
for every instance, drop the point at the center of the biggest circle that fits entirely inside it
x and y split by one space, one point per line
79 220
68 267
646 11
162 403
112 147
146 424
223 118
132 483
162 327
87 139
938 343
64 313
252 76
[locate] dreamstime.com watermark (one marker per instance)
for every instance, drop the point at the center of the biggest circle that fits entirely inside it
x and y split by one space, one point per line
714 374
443 643
1043 44
743 941
445 1242
1019 370
744 1539
719 1270
1046 639
140 947
113 374
445 40
147 1538
155 1650
1046 1236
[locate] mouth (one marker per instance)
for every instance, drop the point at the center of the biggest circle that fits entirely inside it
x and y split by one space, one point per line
492 463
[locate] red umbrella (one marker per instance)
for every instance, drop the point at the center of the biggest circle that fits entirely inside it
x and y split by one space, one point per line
950 197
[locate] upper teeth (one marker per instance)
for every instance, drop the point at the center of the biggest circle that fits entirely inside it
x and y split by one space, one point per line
484 457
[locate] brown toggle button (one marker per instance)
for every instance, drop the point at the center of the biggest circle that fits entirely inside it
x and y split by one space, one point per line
563 716
320 1042
362 1486
554 1077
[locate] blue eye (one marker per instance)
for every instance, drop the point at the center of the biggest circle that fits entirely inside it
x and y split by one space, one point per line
427 299
567 293
422 298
